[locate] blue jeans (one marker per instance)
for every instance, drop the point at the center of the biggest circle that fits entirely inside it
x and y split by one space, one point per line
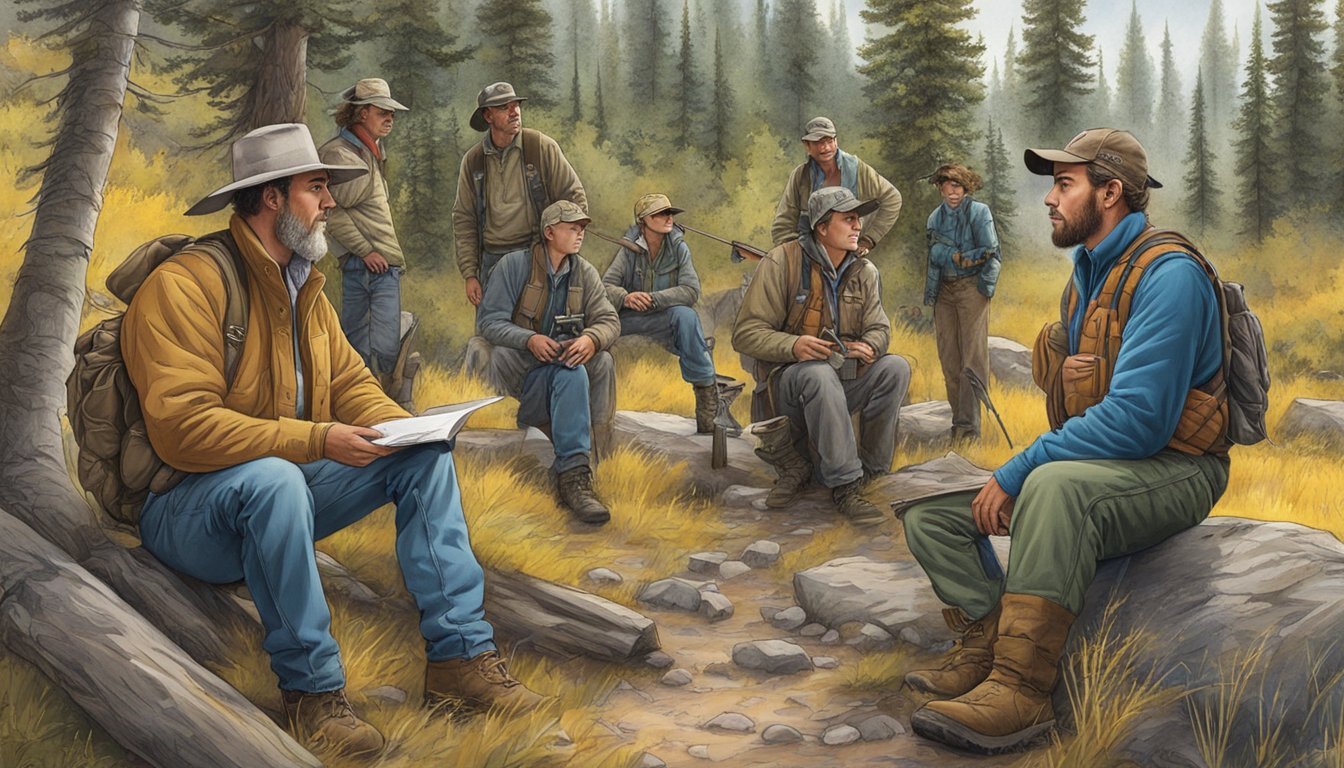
678 329
371 313
257 521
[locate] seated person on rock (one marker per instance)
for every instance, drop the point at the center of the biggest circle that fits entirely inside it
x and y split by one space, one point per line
283 456
654 290
812 320
547 315
1137 452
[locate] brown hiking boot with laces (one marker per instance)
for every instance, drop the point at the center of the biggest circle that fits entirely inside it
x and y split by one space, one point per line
479 683
969 662
327 721
575 487
849 502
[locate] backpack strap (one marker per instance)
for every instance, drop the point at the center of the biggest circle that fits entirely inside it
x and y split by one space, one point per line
532 168
476 167
224 250
574 298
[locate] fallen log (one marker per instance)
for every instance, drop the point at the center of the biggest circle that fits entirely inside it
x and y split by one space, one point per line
564 621
146 692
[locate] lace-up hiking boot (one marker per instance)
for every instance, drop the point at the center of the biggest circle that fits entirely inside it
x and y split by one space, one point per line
476 684
326 721
849 502
970 660
1012 707
576 493
872 475
706 406
778 450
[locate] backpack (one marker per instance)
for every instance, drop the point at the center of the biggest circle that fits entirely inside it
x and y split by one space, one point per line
1245 370
117 464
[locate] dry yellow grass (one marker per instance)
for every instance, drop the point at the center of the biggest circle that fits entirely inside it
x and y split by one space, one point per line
41 727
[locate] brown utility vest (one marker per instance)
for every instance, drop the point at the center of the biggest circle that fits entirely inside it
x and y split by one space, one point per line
1203 425
527 311
807 317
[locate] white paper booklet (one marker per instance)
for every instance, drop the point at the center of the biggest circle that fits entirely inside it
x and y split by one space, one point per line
439 423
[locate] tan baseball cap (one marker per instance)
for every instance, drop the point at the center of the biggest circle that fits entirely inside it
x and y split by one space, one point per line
563 210
652 203
819 128
1115 150
827 199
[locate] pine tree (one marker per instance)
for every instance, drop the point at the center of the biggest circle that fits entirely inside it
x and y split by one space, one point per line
925 80
600 112
688 96
1134 80
998 191
576 96
721 125
1054 66
249 87
762 23
416 47
1298 67
795 36
1218 60
645 48
1101 110
1201 180
1254 152
1168 125
517 36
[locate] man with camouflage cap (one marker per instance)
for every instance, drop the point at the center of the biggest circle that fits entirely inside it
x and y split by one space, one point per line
360 231
547 315
812 319
1137 450
504 184
828 166
654 290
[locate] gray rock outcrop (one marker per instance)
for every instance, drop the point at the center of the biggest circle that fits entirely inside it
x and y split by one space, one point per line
1010 362
927 422
671 593
774 656
1321 420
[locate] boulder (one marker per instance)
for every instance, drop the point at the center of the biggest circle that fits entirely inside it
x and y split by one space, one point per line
1010 362
928 422
761 554
715 606
731 721
1321 420
672 593
792 617
1200 598
732 569
838 735
705 562
781 734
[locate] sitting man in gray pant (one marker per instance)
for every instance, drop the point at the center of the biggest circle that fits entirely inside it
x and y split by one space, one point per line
813 321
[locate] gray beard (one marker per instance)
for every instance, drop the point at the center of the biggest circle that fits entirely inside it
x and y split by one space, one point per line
308 244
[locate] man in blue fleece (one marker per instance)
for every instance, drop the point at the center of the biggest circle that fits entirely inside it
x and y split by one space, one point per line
1124 468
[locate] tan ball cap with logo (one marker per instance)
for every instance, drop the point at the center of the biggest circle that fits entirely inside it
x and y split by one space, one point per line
647 205
1115 150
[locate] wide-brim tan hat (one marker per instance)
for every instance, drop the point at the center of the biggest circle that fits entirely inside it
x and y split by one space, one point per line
647 205
492 95
1115 150
273 152
373 90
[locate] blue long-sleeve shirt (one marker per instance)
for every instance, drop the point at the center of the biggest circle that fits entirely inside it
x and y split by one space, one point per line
1172 343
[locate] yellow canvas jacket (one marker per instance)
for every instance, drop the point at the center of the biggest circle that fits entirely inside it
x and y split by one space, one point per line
173 345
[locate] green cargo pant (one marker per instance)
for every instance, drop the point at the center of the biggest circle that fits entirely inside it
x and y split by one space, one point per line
1070 515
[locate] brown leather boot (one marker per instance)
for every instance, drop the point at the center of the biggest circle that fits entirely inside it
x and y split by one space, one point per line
970 660
479 683
849 502
575 487
327 721
1012 706
706 406
777 449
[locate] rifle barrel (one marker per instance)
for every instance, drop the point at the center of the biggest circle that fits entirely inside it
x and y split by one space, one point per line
621 241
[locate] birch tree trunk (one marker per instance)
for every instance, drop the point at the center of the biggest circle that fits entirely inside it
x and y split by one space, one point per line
38 332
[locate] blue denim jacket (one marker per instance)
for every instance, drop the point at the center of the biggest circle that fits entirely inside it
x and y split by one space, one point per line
1172 342
968 229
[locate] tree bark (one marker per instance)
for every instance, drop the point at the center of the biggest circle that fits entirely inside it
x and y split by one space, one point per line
127 675
38 333
279 93
565 621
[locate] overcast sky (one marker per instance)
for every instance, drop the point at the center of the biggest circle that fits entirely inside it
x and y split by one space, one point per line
1106 21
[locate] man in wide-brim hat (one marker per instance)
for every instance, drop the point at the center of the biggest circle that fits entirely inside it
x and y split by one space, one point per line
505 182
361 233
284 455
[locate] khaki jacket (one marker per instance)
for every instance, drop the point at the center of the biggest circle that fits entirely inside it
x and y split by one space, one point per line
511 219
172 342
362 221
759 331
870 186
